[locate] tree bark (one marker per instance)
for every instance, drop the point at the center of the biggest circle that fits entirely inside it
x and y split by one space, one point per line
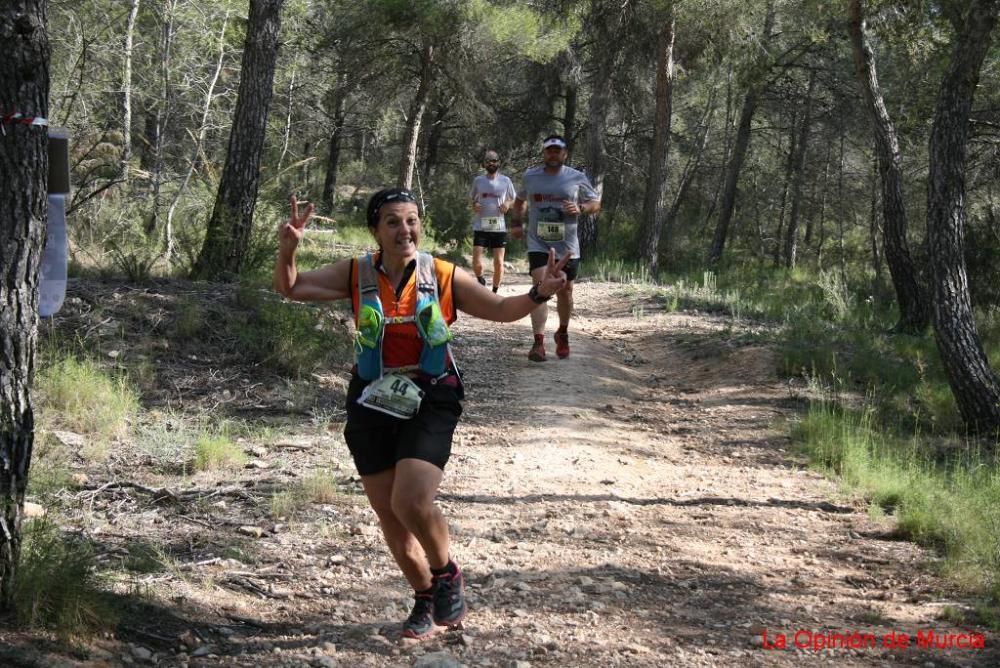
657 199
974 384
569 118
231 223
24 89
408 160
338 112
127 91
740 146
162 111
913 312
798 175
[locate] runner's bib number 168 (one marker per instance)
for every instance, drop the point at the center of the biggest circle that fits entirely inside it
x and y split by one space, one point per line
552 231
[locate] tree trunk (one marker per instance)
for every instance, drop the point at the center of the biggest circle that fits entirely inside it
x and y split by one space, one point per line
913 311
739 153
162 111
127 91
333 154
409 157
196 150
229 228
657 199
798 175
974 384
569 118
24 89
432 157
733 176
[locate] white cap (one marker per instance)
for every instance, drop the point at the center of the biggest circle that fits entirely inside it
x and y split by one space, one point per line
554 141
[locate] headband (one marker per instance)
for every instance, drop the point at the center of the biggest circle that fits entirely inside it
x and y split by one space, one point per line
384 197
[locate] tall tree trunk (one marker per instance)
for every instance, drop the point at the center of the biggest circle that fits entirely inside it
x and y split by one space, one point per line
657 198
914 315
569 117
974 384
435 136
286 133
229 228
24 89
338 112
127 90
738 155
409 157
687 176
162 110
196 150
798 176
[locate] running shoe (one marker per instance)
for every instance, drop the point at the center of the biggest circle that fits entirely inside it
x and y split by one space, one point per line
562 344
537 352
420 623
482 281
449 599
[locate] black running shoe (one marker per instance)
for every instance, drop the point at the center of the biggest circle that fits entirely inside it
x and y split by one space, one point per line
482 281
449 599
420 623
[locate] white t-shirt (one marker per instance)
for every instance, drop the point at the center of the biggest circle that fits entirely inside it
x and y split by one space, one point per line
491 194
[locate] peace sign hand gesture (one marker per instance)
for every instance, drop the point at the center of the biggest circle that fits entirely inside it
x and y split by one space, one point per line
554 278
290 234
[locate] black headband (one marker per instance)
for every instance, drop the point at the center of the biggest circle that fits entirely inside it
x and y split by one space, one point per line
386 196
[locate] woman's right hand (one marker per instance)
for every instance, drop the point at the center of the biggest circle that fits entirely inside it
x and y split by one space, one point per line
290 234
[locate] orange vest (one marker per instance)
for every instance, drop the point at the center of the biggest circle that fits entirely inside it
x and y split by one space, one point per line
401 344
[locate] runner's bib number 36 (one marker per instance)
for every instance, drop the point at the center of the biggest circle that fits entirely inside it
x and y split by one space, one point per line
492 224
393 394
552 231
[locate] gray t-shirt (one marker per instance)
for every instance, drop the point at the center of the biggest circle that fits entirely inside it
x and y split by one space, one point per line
548 225
491 194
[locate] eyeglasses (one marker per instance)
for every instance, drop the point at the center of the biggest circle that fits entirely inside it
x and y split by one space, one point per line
492 162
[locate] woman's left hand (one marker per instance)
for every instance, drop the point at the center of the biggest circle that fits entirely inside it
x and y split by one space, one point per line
554 278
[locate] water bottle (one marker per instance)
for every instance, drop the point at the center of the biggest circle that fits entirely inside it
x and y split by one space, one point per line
55 257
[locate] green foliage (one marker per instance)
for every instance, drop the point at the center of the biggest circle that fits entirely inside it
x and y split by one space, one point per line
289 338
217 451
317 487
56 587
947 499
524 30
76 394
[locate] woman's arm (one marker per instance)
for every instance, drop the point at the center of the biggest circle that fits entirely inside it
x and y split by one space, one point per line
328 283
476 301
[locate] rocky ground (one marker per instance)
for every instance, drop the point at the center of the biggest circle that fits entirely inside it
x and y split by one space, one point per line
638 504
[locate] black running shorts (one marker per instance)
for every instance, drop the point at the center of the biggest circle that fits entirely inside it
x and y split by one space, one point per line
377 441
536 260
489 239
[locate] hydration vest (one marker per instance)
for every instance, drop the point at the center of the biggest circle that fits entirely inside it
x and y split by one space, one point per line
371 322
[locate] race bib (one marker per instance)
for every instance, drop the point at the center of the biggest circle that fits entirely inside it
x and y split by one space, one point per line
551 231
492 224
393 394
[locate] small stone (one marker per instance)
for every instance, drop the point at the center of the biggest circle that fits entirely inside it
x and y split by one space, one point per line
256 532
80 479
141 653
438 660
33 510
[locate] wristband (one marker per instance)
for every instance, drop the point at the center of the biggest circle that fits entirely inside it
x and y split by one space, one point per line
536 296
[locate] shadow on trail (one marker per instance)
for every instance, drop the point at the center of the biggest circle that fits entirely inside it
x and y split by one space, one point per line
821 506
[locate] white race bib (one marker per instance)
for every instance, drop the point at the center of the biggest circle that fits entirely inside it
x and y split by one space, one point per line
393 394
492 224
551 231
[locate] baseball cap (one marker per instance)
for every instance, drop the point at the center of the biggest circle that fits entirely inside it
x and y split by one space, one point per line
554 141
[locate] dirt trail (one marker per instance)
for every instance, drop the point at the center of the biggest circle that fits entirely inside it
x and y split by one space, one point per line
634 505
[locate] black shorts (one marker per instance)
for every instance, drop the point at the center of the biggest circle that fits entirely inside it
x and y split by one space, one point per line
536 260
377 441
489 239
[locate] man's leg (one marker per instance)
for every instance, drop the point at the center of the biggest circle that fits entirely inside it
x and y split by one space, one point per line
538 318
564 307
477 264
498 255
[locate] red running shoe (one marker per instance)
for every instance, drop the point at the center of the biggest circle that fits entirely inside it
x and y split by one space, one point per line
562 344
537 352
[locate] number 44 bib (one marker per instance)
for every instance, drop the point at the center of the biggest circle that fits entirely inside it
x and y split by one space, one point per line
393 394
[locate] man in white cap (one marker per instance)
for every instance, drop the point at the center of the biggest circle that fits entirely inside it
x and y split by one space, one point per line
492 195
556 196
